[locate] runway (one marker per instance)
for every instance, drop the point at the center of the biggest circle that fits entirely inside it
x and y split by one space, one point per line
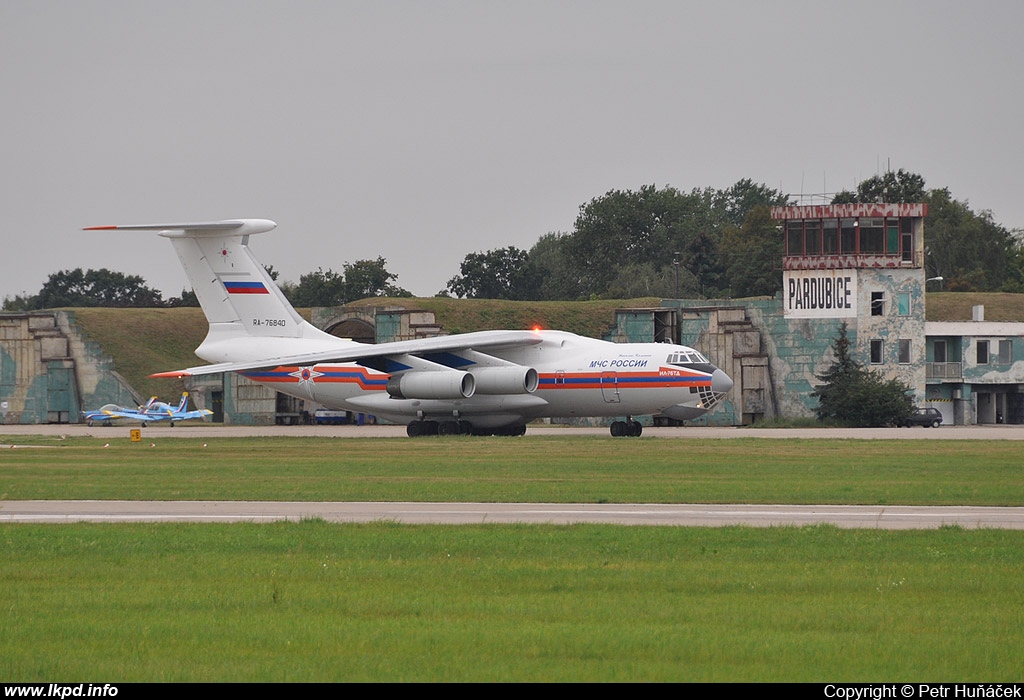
207 430
844 516
879 517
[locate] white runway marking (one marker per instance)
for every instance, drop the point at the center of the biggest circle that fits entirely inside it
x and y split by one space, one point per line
881 517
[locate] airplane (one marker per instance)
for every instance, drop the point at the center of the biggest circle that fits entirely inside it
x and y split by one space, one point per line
481 383
152 412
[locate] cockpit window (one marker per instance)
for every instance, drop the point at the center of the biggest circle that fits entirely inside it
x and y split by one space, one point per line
689 357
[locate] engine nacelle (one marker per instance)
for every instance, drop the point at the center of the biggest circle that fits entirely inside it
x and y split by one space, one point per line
432 385
505 380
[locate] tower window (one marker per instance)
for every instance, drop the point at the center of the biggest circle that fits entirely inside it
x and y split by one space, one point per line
876 352
1005 352
877 303
904 352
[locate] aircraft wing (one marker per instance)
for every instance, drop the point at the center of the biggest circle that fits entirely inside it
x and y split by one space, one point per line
126 415
150 417
192 415
357 352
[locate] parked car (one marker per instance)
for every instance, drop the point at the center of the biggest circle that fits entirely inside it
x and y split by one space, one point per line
323 416
924 417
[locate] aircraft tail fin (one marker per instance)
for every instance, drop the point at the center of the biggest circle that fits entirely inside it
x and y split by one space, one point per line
183 404
238 296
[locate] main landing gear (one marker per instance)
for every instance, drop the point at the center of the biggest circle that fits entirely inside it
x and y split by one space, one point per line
419 428
626 428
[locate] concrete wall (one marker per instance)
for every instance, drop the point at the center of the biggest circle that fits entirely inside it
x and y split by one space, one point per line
50 372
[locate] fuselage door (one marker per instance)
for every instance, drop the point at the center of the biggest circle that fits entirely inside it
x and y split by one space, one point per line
610 387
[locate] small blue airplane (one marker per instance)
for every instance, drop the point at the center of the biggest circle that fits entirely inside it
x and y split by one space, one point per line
152 412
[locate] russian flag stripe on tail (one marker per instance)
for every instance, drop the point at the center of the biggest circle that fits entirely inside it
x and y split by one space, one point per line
246 288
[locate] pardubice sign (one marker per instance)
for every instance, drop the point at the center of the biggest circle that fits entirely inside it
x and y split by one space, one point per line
819 293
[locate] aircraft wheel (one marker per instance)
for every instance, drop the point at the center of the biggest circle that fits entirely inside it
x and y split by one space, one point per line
618 428
507 431
635 429
415 429
465 427
448 427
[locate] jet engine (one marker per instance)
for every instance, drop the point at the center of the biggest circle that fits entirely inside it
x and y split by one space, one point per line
505 380
432 385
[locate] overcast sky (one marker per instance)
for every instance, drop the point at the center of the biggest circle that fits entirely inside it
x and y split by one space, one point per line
423 131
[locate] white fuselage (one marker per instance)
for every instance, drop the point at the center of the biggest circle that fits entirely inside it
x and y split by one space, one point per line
576 376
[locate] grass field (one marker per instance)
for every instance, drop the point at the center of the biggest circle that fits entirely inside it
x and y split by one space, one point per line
315 601
545 469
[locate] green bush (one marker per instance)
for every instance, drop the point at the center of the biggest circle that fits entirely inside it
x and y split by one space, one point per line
856 396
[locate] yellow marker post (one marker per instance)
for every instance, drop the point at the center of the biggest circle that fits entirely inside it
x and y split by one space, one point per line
136 434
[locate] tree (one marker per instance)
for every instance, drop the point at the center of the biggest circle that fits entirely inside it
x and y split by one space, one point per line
21 302
740 200
623 243
96 288
370 278
320 288
645 280
187 298
549 272
646 227
970 251
892 187
496 274
858 397
1015 276
361 279
752 255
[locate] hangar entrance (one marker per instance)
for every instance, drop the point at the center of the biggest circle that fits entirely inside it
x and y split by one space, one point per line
217 405
1000 407
666 326
355 329
986 407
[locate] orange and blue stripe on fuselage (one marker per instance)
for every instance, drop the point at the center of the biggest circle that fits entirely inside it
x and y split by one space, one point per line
365 379
665 377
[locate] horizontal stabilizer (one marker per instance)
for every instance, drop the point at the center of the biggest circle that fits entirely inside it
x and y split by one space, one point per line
237 226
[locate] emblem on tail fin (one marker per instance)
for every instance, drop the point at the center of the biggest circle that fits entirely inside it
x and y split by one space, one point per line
246 288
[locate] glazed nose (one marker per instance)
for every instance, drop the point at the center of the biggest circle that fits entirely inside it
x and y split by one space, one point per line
721 383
